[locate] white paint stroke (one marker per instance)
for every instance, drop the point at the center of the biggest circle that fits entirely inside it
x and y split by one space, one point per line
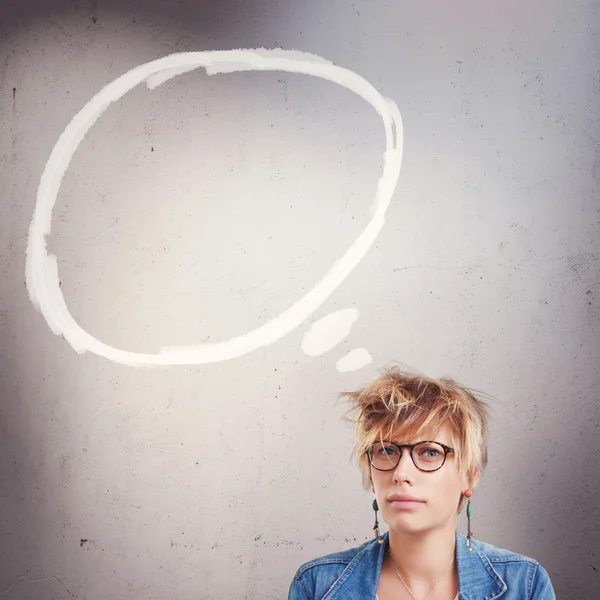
354 360
329 331
42 278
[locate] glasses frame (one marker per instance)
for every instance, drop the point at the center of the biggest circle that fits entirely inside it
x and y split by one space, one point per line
447 450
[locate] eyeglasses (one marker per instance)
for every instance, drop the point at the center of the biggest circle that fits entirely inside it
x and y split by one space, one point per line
426 456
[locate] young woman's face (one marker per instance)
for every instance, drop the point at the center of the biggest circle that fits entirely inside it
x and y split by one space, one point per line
437 493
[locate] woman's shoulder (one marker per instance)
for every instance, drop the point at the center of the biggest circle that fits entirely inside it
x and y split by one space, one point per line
500 555
316 577
343 557
517 571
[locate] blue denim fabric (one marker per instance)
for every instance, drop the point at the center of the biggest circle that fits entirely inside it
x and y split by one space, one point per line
486 573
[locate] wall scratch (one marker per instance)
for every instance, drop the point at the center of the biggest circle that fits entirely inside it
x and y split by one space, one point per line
24 577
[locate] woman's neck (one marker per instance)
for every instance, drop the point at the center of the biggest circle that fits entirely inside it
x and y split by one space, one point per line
421 559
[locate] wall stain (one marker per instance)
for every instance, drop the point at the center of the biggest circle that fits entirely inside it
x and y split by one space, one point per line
581 263
94 11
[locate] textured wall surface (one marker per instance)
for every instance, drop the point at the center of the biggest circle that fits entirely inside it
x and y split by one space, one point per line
199 210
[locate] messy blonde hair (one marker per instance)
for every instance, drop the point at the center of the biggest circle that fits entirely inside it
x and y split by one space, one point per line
411 405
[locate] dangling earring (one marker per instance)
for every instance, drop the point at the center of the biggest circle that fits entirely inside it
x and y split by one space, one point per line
468 494
376 527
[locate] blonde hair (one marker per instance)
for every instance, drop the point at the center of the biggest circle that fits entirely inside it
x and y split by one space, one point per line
410 405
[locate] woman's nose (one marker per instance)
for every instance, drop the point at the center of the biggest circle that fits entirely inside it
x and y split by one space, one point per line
405 465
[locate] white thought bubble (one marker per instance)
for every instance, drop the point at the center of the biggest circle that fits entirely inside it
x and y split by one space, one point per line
42 279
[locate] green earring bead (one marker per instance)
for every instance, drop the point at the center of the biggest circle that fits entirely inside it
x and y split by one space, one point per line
376 527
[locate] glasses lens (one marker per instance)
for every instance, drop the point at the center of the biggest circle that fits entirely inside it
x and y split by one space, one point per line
428 456
384 457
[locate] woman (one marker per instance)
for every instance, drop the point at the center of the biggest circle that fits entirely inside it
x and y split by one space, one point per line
421 447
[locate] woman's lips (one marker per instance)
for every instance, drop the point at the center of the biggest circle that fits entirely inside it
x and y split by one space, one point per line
406 503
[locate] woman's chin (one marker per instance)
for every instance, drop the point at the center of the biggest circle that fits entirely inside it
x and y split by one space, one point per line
406 526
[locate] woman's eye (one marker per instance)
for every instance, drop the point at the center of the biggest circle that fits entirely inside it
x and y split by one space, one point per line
388 451
430 453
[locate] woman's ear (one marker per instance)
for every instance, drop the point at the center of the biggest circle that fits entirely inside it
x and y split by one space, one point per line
469 481
475 479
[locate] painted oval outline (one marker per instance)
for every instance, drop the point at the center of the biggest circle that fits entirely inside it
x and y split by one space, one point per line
42 280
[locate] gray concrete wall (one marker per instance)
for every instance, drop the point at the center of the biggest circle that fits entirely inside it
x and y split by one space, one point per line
202 209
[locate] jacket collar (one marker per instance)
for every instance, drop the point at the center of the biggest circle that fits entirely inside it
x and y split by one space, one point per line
477 579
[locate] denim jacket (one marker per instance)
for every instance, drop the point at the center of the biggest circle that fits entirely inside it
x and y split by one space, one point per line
486 573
